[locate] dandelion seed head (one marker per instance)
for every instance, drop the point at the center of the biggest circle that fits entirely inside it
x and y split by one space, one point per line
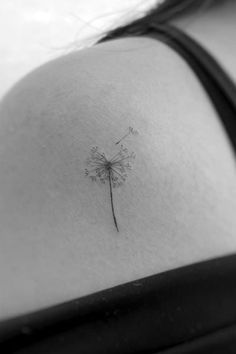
115 168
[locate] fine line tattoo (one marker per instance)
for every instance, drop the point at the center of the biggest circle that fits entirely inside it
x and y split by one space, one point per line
113 170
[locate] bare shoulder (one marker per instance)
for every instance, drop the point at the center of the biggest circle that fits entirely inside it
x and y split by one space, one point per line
174 207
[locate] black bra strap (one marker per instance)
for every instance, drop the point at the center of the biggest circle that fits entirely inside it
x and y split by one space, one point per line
217 83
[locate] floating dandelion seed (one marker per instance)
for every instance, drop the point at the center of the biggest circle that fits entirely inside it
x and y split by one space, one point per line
130 131
113 170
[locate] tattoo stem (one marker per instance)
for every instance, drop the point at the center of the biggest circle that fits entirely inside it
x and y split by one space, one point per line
112 207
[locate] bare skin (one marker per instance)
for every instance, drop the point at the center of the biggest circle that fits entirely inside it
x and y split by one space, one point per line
177 207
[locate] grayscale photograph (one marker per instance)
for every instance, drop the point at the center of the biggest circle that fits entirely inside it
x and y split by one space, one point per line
118 177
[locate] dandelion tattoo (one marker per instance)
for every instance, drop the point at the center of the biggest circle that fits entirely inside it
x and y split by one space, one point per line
114 170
